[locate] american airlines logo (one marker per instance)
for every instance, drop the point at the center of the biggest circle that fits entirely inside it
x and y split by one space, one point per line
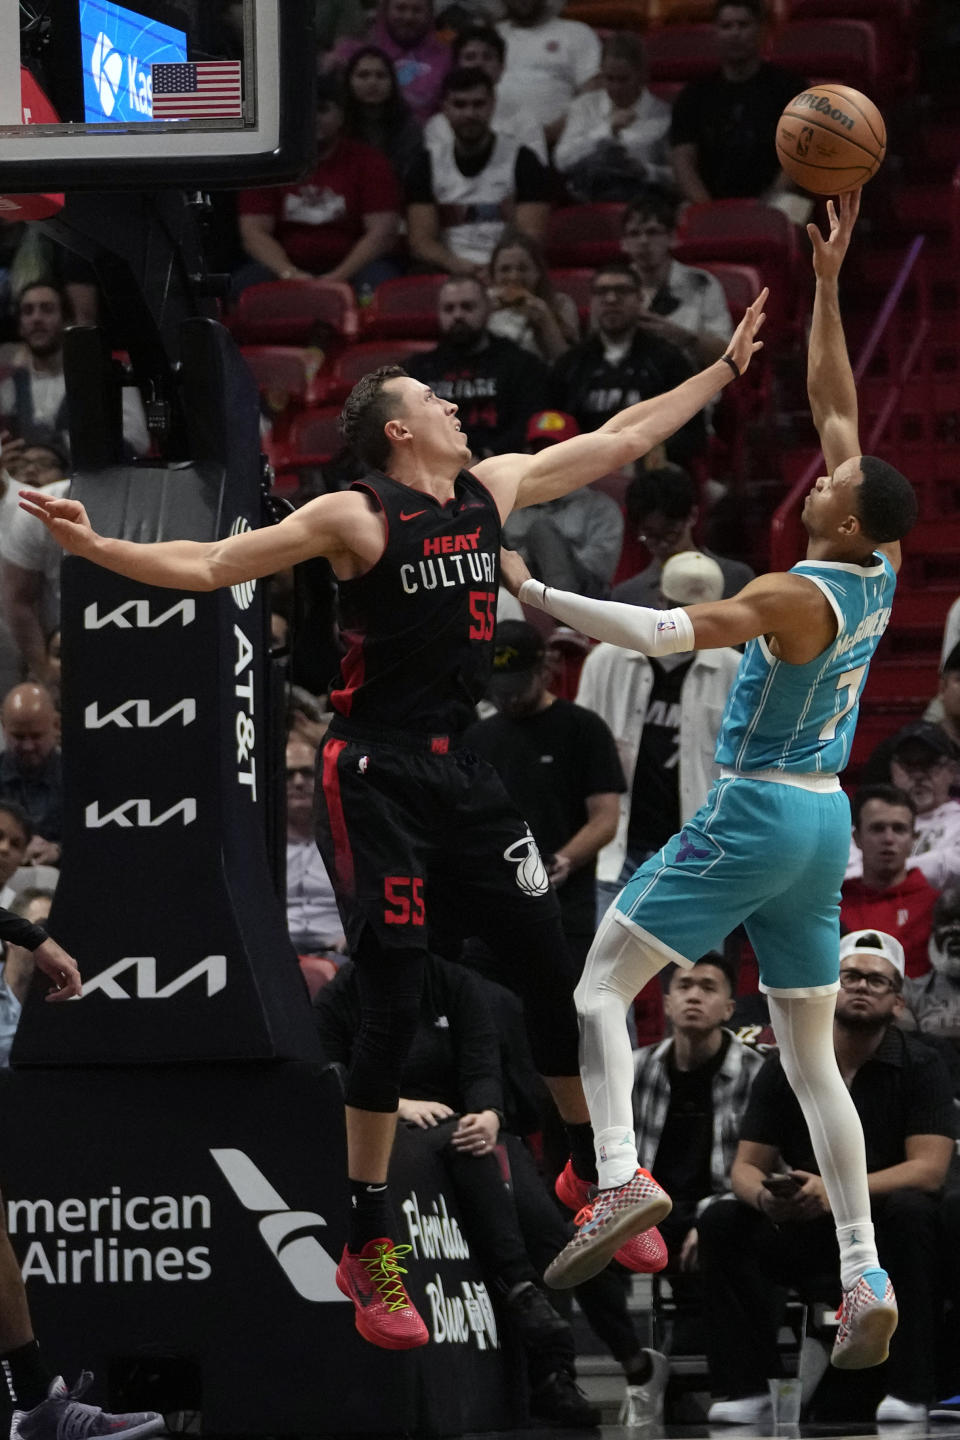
138 814
289 1235
141 983
138 615
142 715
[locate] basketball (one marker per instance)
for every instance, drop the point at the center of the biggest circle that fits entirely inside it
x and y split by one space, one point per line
831 139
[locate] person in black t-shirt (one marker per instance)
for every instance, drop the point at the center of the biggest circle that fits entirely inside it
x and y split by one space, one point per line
495 385
722 135
689 1097
471 182
408 822
559 764
904 1098
620 363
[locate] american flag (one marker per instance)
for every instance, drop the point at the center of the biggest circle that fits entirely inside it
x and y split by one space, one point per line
197 90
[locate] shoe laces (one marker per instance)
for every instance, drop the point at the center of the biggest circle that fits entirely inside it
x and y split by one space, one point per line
78 1420
385 1271
582 1216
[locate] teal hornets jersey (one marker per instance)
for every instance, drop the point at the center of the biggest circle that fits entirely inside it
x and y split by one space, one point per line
801 718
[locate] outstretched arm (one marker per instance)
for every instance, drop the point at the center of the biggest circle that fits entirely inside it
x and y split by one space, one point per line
322 527
830 384
830 387
625 438
786 607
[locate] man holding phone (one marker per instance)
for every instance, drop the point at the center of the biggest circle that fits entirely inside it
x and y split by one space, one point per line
781 1229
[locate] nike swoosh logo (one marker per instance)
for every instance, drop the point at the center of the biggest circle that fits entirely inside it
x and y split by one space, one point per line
413 514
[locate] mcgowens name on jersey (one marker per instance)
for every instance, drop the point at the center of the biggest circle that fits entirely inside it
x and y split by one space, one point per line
873 624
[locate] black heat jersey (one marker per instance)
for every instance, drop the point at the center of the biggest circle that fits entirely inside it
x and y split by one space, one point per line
419 626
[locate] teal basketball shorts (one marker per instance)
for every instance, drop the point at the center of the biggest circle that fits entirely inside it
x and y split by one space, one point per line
764 854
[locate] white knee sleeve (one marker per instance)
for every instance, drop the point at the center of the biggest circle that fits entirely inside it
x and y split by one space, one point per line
617 968
804 1030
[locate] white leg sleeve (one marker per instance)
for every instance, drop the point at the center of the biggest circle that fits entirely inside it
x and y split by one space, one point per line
804 1030
617 968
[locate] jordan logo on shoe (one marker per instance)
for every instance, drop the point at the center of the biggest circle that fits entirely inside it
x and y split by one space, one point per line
288 1234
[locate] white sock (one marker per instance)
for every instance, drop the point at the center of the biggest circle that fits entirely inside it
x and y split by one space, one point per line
858 1251
804 1030
617 968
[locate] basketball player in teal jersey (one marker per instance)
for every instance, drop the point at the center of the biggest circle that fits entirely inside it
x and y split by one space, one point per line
769 846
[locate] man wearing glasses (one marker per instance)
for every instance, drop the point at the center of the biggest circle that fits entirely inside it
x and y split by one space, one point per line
621 363
903 1097
662 511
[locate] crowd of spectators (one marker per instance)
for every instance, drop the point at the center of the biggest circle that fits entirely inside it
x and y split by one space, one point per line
442 150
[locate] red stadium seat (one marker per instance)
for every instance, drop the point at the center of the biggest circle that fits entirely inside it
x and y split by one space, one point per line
404 308
685 12
681 52
313 439
349 366
741 284
581 235
287 377
608 14
294 312
828 49
746 232
576 284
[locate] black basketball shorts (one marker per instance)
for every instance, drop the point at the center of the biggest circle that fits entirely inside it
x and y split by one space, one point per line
411 837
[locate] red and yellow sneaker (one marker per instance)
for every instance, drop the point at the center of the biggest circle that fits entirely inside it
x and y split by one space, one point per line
385 1314
644 1254
605 1226
868 1317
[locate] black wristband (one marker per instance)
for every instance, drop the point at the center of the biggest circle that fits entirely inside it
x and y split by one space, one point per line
733 364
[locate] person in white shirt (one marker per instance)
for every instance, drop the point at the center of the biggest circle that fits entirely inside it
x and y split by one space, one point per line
615 139
35 393
481 47
549 62
30 584
313 920
465 189
665 717
32 460
681 303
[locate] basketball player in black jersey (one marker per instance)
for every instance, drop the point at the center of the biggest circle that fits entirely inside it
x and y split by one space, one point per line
412 828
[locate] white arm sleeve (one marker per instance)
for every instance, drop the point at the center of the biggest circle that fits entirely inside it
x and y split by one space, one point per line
652 632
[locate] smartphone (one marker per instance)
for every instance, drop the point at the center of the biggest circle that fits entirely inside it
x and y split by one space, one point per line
784 1187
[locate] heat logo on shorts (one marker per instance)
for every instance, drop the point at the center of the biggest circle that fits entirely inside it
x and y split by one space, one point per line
531 872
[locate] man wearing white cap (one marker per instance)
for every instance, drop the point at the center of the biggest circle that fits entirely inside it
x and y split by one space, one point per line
664 713
903 1096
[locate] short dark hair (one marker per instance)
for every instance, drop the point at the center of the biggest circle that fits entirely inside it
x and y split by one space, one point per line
366 410
47 282
653 203
10 807
721 963
886 502
757 8
625 45
617 267
669 491
889 794
952 661
465 77
486 34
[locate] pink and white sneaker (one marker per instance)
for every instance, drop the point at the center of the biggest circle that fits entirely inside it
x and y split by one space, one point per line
605 1226
868 1317
644 1254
